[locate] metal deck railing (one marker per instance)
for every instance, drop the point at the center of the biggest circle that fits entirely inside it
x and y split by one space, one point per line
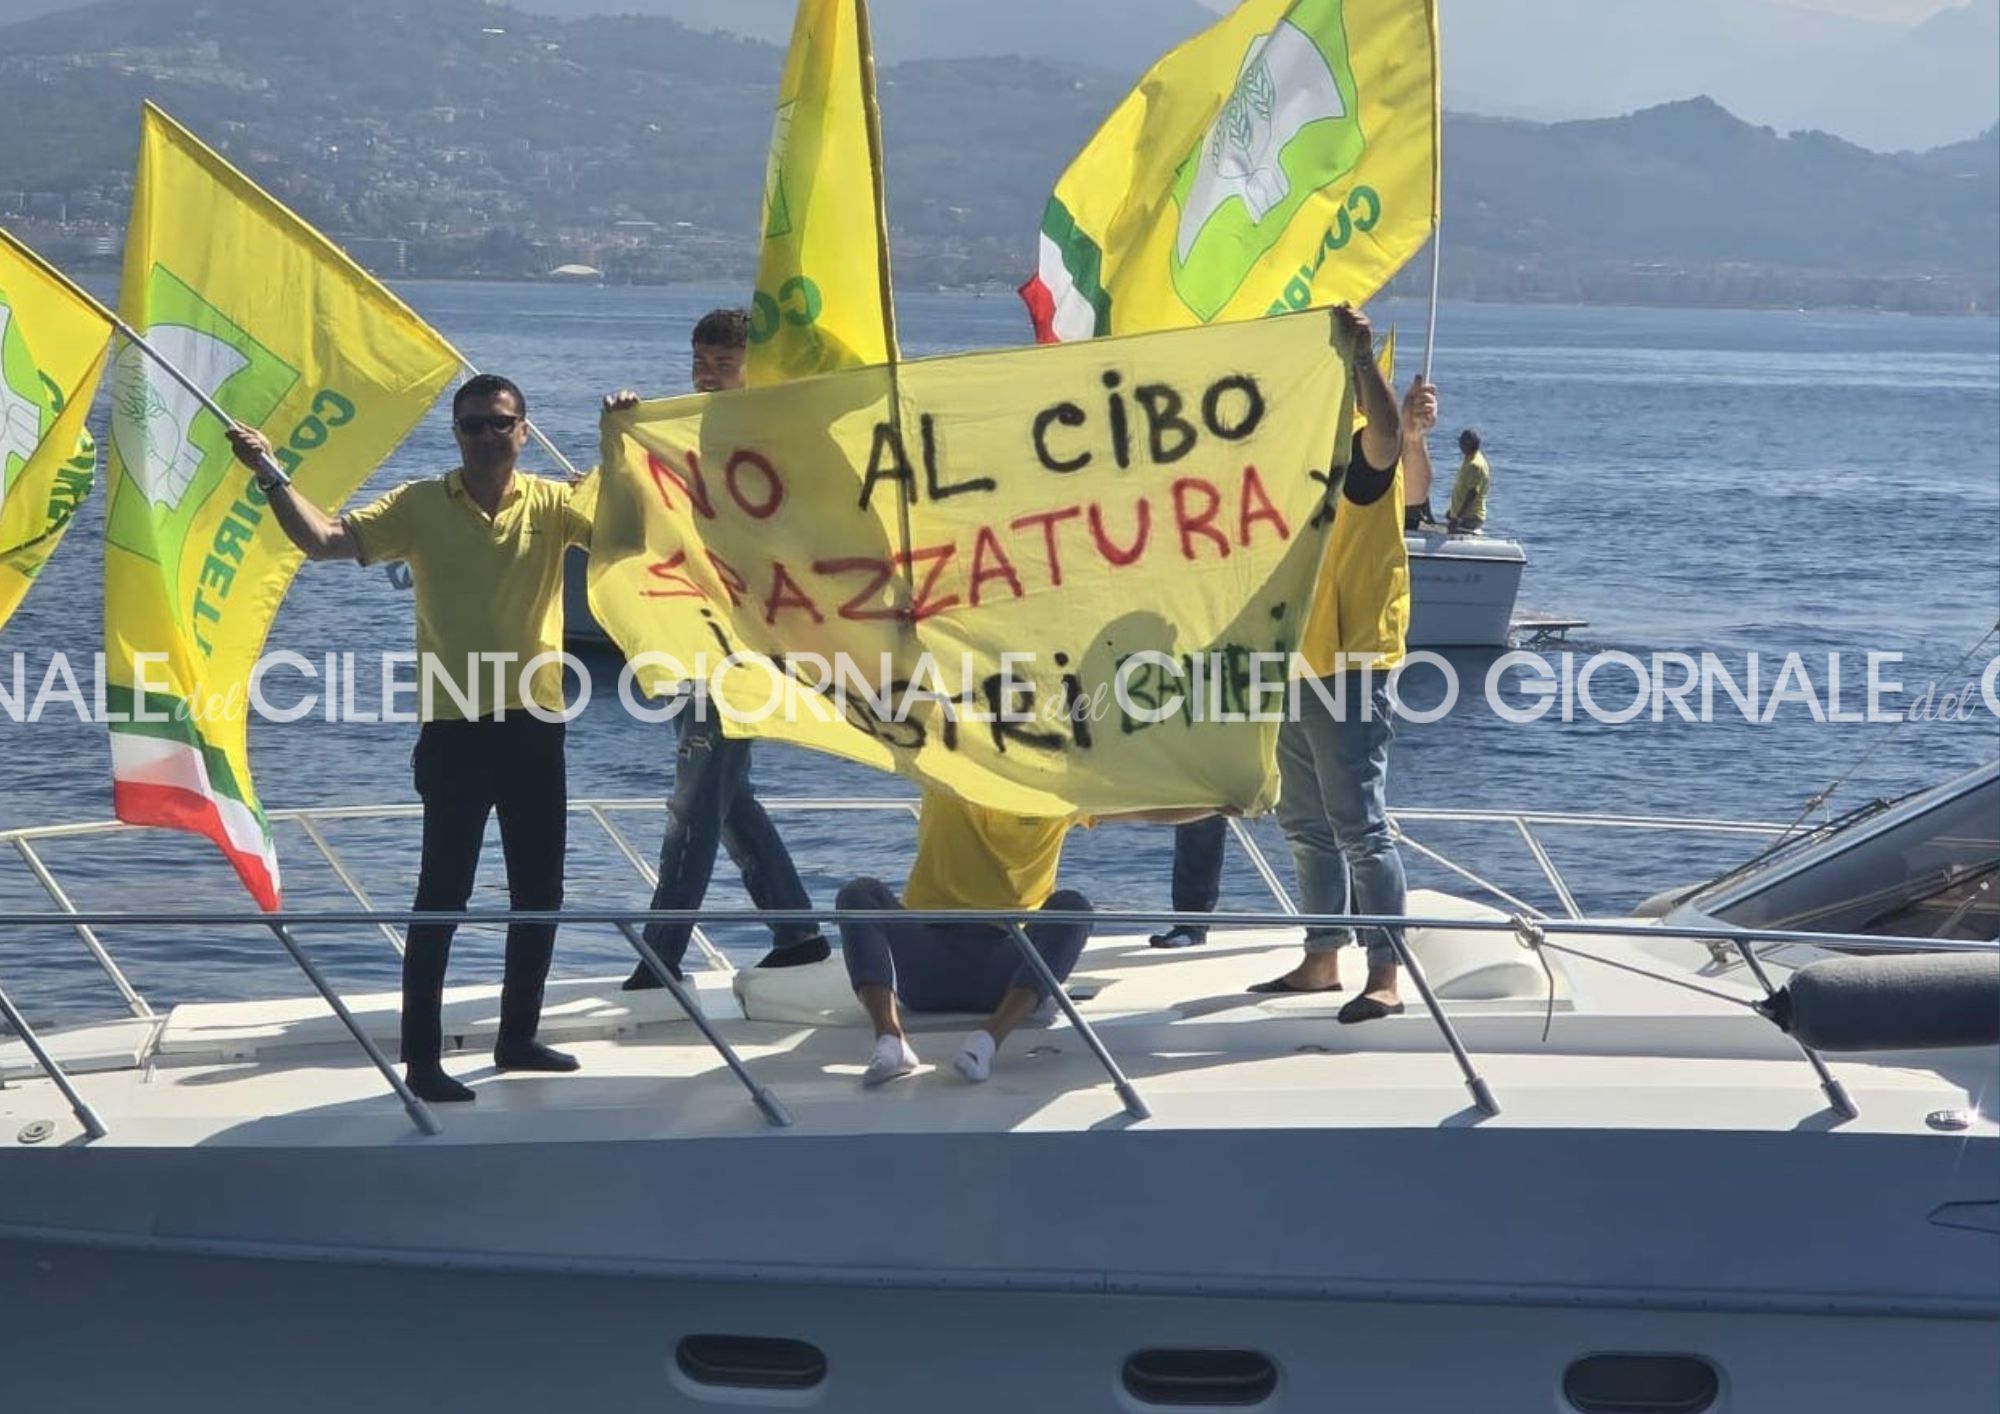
1530 925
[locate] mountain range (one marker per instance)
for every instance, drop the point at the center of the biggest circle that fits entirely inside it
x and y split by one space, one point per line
1880 85
482 139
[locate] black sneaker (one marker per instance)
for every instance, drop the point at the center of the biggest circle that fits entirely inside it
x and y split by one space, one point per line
643 980
800 954
1181 935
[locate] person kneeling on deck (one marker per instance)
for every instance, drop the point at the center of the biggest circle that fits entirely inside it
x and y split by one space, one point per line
485 548
973 858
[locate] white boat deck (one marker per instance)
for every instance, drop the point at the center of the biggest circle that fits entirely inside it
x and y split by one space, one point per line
1202 1052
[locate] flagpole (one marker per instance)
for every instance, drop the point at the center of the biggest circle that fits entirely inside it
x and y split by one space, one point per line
138 341
1437 191
874 111
865 43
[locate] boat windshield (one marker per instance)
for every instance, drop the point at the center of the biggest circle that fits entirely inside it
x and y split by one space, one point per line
1930 871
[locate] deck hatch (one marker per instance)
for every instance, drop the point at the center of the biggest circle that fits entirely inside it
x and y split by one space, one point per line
1210 1379
751 1362
1641 1384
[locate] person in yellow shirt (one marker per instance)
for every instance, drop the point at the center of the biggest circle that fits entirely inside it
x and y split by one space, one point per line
1333 756
968 857
1467 511
485 548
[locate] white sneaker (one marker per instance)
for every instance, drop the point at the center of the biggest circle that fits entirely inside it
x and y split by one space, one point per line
893 1059
974 1060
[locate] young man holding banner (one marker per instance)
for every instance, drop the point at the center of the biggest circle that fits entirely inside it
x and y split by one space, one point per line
485 547
714 804
1333 757
1378 577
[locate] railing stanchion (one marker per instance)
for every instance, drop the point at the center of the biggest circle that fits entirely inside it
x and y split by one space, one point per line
134 1003
1548 866
1403 837
1134 1106
78 1106
1272 882
420 1113
774 1112
1482 1096
1836 1093
717 959
341 873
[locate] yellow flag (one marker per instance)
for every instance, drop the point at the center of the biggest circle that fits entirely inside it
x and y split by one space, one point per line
823 298
292 338
1284 159
1109 551
53 343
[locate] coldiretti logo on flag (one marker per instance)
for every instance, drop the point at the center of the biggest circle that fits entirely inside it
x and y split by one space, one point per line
1284 159
52 349
821 301
287 335
174 453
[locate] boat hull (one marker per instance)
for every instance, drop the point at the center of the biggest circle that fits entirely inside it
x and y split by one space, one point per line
1463 590
1465 1267
96 1328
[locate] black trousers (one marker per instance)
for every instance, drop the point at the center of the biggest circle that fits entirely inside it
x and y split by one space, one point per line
464 772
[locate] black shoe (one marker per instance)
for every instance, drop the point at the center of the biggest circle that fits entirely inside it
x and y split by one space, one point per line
1366 1008
1286 986
1181 935
430 1083
531 1055
800 954
643 980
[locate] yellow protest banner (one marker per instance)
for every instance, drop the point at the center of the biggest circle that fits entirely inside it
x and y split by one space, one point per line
822 299
53 343
1286 158
1109 553
291 337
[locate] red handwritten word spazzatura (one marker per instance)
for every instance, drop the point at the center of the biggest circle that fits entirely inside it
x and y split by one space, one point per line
1194 519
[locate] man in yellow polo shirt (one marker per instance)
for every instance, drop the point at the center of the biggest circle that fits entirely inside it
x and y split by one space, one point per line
1470 488
485 549
973 858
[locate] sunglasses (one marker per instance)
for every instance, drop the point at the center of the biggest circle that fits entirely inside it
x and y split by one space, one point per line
501 422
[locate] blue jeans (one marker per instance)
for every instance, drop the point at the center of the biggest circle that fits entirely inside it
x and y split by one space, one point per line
1333 807
1198 850
953 966
714 804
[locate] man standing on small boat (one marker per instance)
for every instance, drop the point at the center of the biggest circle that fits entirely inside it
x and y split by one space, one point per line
485 548
1468 492
714 804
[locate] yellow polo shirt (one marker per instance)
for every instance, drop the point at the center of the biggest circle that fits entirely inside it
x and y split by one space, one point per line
1468 491
485 584
972 857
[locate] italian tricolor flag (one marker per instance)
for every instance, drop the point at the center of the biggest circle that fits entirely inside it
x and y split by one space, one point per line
164 773
1065 298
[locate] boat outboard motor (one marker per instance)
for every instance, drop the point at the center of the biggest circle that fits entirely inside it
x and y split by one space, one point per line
1914 1002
